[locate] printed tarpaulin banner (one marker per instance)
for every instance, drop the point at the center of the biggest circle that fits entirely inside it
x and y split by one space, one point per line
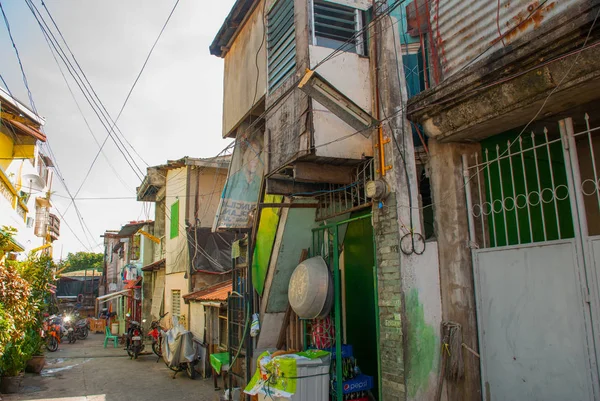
240 193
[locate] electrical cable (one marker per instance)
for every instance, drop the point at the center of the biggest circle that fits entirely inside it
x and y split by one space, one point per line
86 123
57 170
114 122
85 90
23 75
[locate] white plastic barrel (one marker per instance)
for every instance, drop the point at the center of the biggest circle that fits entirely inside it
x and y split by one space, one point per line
114 329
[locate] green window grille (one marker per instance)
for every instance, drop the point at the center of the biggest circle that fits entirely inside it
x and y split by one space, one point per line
175 219
281 42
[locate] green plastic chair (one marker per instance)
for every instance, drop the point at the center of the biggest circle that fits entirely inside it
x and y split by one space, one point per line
110 337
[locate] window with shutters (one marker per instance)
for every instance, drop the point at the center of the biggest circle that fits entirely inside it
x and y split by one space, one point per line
336 25
176 303
175 219
281 42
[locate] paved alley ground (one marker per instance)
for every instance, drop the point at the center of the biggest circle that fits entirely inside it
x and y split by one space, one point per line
86 371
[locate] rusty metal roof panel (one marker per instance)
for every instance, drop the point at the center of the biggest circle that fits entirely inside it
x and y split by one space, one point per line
465 31
215 293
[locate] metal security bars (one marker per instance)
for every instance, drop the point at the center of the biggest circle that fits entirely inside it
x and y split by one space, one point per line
281 42
531 187
336 24
340 199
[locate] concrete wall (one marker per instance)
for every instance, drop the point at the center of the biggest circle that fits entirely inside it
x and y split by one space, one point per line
176 281
176 248
206 186
241 89
349 73
197 319
423 308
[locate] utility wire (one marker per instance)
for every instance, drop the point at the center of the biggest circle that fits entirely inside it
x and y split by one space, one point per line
94 104
23 75
90 85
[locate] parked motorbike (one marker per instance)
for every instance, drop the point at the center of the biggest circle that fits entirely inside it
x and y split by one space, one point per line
51 333
82 328
134 339
179 351
154 332
68 324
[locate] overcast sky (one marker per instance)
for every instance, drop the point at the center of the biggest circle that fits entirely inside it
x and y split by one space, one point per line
175 109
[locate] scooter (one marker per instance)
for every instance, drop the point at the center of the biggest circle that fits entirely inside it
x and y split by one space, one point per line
82 328
68 325
135 339
51 333
154 332
179 351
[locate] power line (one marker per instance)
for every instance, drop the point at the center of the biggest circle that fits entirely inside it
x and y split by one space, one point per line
57 170
12 40
114 122
94 102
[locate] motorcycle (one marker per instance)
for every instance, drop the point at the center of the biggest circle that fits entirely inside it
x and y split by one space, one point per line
82 328
179 351
154 332
71 337
135 339
51 332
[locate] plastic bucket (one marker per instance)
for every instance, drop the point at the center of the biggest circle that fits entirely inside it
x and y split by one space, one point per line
114 329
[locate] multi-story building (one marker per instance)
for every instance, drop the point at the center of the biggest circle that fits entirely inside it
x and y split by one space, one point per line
325 166
189 257
26 178
511 113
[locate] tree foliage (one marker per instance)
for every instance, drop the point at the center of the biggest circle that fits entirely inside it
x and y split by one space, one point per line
23 296
81 261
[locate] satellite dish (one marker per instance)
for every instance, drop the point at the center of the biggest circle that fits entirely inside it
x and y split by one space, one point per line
33 182
310 291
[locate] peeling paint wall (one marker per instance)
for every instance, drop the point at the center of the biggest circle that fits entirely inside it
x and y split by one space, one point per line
423 308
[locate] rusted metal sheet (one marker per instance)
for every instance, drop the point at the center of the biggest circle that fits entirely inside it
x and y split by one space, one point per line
468 31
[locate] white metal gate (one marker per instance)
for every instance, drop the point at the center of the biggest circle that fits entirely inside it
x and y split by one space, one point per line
534 224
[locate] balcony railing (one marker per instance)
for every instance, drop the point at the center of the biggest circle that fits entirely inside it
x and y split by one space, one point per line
8 191
54 226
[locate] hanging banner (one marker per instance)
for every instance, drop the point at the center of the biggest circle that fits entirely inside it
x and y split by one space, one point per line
240 194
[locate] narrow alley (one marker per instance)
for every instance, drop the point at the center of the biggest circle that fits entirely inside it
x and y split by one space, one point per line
88 371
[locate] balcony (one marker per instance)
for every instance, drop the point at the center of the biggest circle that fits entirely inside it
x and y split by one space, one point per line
53 227
8 191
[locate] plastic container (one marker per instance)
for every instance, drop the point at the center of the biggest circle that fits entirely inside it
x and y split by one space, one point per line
114 329
313 382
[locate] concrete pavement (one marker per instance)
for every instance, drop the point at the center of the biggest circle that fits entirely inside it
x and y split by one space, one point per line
86 371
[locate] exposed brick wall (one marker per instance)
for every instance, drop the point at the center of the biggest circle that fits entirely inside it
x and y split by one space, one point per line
387 239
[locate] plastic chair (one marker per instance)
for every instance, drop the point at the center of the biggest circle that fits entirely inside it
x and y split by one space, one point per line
110 336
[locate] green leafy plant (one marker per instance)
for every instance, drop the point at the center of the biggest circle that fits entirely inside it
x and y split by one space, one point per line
13 359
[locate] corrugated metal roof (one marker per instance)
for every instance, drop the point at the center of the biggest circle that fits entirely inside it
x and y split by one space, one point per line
82 273
215 293
468 30
133 227
154 265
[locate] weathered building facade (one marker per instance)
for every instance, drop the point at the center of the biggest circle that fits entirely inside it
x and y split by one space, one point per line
339 180
511 118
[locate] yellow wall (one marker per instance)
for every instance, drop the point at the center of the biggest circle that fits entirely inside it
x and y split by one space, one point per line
176 281
176 248
6 150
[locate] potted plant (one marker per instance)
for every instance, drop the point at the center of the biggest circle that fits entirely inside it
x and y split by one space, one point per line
33 346
12 364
